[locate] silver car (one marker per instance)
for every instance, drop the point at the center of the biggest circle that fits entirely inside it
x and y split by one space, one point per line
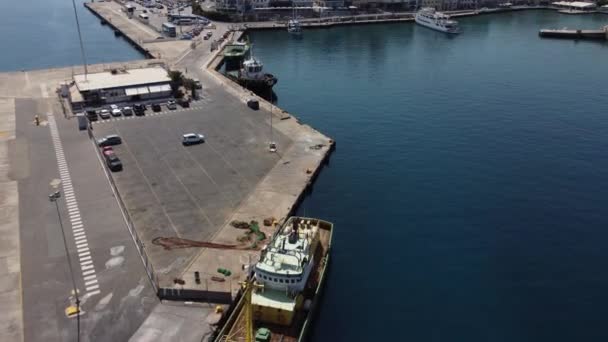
192 138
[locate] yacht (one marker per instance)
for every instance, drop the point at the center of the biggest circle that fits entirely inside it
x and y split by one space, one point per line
293 25
432 19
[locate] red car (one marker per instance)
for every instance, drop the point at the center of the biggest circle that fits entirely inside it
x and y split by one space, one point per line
107 151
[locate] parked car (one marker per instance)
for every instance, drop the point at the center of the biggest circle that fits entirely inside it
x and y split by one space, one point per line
171 105
192 138
139 109
91 115
114 164
109 140
127 111
107 150
156 107
184 103
116 112
104 114
197 84
112 107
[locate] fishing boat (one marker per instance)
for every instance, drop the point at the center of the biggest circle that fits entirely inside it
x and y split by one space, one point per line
438 21
279 300
235 54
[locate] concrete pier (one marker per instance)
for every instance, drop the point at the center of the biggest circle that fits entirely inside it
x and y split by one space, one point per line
255 185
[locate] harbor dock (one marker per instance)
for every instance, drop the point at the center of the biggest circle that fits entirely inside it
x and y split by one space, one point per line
271 185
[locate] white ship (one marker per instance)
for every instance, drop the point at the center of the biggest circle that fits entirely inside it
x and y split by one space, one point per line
294 27
432 19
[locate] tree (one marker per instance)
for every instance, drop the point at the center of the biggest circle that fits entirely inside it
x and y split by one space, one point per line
177 79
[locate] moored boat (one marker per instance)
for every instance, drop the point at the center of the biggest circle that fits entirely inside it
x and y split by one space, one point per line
279 302
252 76
438 21
235 54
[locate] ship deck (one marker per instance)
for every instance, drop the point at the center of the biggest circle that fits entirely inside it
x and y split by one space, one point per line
291 333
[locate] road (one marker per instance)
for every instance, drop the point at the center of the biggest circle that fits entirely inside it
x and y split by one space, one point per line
116 296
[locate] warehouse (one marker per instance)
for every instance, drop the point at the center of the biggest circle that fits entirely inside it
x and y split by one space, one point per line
120 85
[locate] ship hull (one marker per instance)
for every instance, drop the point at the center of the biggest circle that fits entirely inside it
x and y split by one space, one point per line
301 328
423 22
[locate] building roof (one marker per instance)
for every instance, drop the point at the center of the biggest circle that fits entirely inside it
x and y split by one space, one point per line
128 78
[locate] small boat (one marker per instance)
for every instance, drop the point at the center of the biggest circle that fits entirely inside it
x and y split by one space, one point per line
235 54
293 25
251 76
279 301
438 21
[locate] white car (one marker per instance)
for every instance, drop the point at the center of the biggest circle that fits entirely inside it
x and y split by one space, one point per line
171 105
116 112
112 107
104 114
192 138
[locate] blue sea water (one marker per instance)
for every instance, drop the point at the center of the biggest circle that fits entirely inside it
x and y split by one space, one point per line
39 34
469 185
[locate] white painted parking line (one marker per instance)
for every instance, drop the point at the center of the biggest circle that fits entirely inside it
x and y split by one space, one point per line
91 288
85 263
80 239
90 282
92 293
88 267
86 258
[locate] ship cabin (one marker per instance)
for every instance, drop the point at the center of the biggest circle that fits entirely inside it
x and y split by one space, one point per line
252 66
287 262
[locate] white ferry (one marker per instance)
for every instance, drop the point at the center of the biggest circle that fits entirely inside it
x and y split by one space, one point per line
432 19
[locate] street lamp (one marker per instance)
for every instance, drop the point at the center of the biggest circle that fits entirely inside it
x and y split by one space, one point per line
69 310
272 147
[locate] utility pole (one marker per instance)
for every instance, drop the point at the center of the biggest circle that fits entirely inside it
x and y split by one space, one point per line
84 59
70 310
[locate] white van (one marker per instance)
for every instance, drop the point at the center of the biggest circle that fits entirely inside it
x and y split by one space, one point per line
143 17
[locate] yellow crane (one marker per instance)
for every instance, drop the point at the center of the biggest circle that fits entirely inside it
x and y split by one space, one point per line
247 309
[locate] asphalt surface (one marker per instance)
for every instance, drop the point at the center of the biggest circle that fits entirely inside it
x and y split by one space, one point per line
118 300
189 192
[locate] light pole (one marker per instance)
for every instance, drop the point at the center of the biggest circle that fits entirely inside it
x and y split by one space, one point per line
272 146
84 59
53 198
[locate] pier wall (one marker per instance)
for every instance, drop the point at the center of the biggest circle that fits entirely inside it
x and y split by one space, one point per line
125 34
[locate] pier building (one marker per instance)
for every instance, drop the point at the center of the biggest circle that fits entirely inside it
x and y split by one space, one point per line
120 85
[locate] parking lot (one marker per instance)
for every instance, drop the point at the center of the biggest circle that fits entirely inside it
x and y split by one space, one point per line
189 191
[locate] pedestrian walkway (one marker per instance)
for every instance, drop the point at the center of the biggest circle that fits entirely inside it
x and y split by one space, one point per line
11 315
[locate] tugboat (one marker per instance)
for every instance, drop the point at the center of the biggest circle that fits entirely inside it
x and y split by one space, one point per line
252 77
432 19
279 301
